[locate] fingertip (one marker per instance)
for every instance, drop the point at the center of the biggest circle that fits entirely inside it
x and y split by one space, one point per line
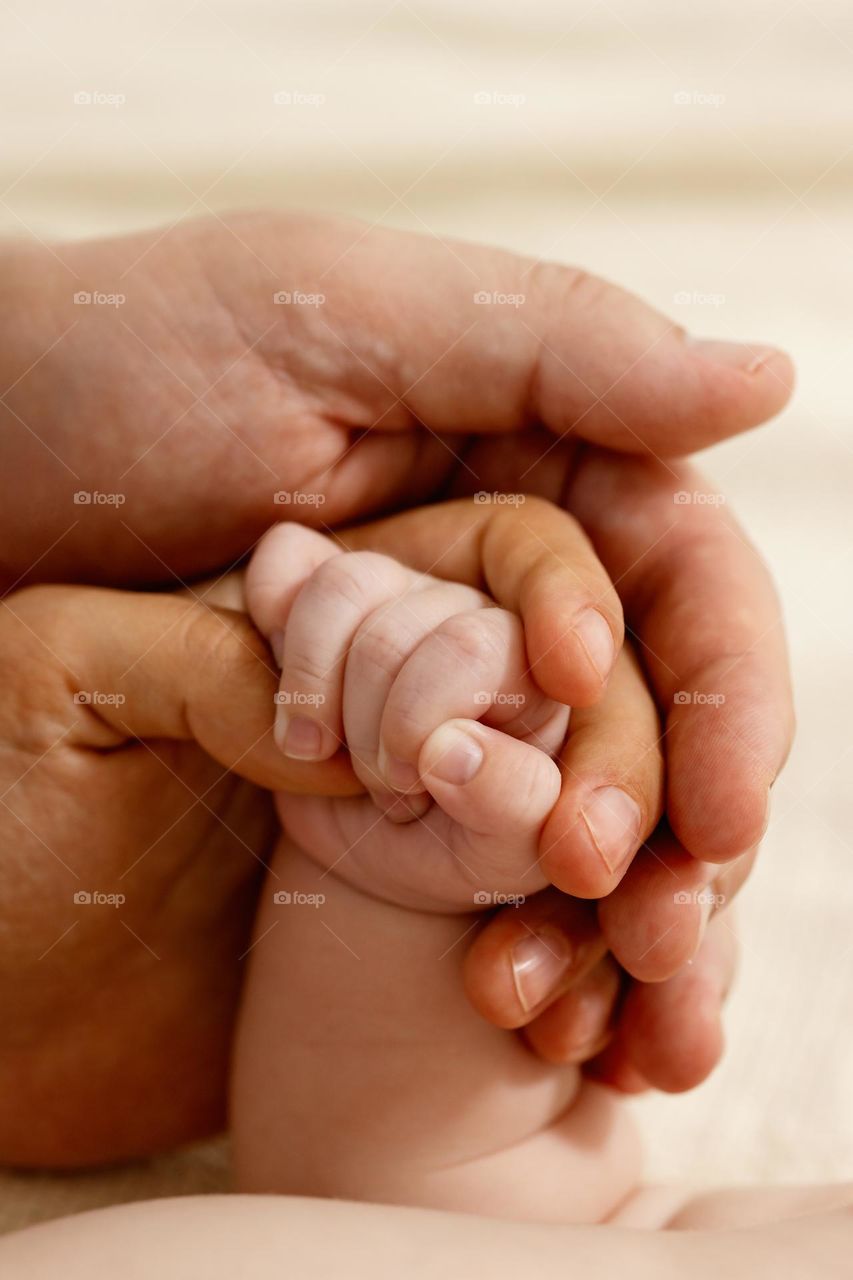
526 956
595 636
654 920
729 731
775 364
401 809
398 774
612 1067
649 951
719 834
300 738
282 561
718 793
589 839
452 755
572 663
744 383
674 1033
578 1025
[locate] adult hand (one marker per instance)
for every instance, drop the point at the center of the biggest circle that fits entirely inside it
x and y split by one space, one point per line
176 381
418 359
133 857
701 611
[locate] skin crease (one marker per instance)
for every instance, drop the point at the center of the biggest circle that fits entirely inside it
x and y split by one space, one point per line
199 311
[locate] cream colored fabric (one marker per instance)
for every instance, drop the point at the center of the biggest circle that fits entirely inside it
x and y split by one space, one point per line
684 150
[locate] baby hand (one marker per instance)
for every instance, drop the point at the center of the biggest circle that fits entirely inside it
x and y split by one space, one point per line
428 685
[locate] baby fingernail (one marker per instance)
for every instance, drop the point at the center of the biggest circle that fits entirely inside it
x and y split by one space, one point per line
402 809
459 755
613 819
400 775
298 737
593 631
538 965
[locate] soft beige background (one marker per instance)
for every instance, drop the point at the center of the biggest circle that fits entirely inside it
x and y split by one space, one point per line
743 192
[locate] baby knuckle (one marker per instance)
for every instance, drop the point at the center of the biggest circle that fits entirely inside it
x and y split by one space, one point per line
352 578
472 637
303 670
378 647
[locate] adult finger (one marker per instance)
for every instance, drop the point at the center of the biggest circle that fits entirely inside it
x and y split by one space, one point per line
655 920
702 612
578 1025
612 792
533 560
702 608
525 957
484 340
670 1034
126 665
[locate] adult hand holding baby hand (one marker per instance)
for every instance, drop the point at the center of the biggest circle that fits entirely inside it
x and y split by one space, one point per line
217 397
657 906
135 856
349 369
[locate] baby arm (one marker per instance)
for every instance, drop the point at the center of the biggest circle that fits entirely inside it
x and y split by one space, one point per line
360 1070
